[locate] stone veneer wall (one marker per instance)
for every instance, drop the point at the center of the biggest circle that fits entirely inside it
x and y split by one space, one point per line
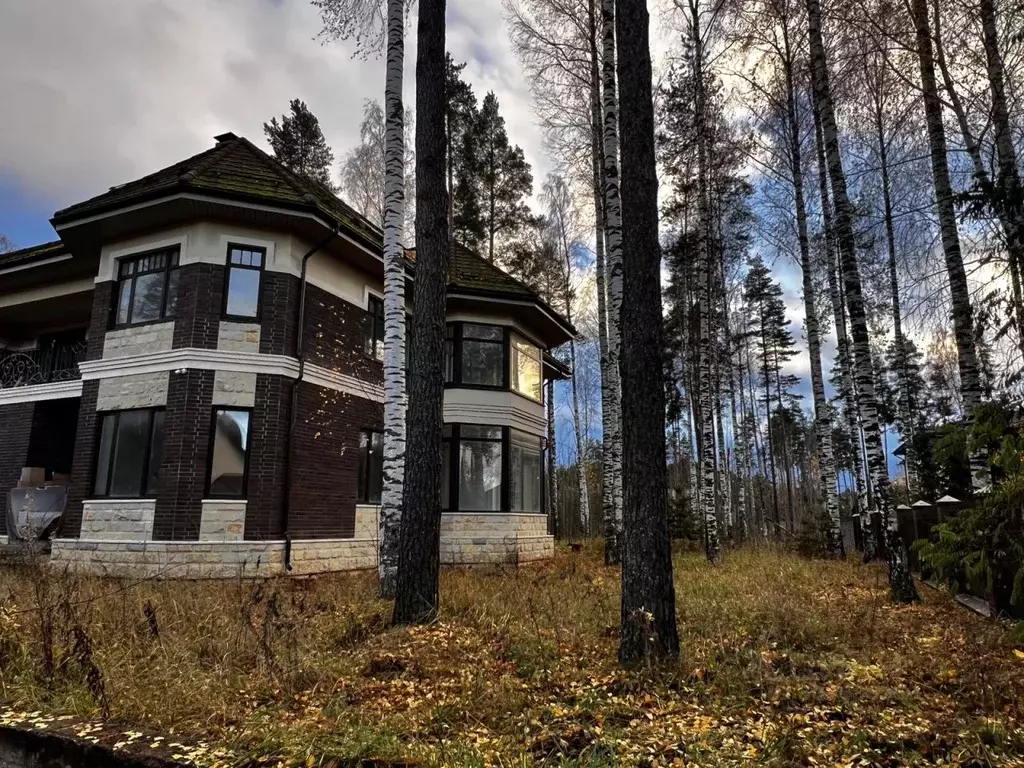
223 520
118 519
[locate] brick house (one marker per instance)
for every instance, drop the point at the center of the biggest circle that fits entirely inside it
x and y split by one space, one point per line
199 354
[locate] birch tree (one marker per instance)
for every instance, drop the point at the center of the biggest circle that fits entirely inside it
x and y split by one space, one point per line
365 20
900 581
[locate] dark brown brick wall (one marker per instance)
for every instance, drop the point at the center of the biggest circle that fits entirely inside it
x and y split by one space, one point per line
268 448
333 336
324 479
52 443
186 447
279 309
99 323
84 460
16 429
200 305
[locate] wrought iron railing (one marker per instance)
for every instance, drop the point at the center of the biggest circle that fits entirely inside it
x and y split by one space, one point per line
40 366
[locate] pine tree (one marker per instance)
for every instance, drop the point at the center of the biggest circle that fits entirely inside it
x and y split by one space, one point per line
416 593
648 612
299 144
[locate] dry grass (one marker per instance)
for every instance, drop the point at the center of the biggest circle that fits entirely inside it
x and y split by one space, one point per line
786 661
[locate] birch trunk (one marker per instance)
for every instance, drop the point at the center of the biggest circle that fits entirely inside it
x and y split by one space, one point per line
843 345
704 280
648 611
822 422
900 581
394 303
611 529
613 242
963 315
1008 182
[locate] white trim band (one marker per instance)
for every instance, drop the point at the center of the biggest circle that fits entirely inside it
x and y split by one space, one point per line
58 390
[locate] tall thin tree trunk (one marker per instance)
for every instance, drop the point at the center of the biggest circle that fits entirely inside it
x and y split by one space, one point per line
552 461
416 592
822 422
963 314
394 303
842 344
613 243
704 280
1009 190
581 466
648 608
900 580
766 373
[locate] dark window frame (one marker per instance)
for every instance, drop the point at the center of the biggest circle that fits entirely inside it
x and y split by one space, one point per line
540 359
207 491
370 338
457 340
172 264
228 266
454 441
364 479
103 415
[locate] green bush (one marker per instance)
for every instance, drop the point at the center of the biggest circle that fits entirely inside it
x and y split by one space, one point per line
982 548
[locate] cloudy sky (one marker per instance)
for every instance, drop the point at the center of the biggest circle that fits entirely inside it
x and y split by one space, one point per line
97 92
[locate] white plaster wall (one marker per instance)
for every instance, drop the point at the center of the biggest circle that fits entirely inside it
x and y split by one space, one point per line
239 337
329 272
118 519
234 389
482 406
120 249
141 390
140 340
54 290
222 520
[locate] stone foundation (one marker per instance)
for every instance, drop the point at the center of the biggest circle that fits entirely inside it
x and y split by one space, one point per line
466 539
118 519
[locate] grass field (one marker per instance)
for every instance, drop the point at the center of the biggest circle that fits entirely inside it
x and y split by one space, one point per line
786 661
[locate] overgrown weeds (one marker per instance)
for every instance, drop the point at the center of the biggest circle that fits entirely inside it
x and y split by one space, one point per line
785 660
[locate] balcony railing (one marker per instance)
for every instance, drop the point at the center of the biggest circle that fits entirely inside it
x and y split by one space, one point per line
45 365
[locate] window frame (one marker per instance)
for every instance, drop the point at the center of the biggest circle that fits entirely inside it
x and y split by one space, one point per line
116 414
173 262
207 490
457 342
228 266
365 478
542 445
370 327
454 441
512 335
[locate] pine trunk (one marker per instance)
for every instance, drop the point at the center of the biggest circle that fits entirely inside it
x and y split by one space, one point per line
613 243
552 464
822 422
394 303
581 467
416 592
963 315
648 607
900 581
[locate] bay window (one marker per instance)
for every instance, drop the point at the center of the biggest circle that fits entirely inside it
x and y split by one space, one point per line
491 469
525 474
526 368
492 357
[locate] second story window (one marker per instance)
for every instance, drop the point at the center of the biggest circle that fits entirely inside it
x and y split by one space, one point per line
147 287
483 355
373 334
242 283
526 368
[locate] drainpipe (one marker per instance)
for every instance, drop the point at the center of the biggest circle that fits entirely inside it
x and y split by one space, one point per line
295 395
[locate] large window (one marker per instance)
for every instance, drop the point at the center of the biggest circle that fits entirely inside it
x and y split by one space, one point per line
483 355
229 456
147 287
371 466
480 468
242 292
525 475
526 368
130 452
373 335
